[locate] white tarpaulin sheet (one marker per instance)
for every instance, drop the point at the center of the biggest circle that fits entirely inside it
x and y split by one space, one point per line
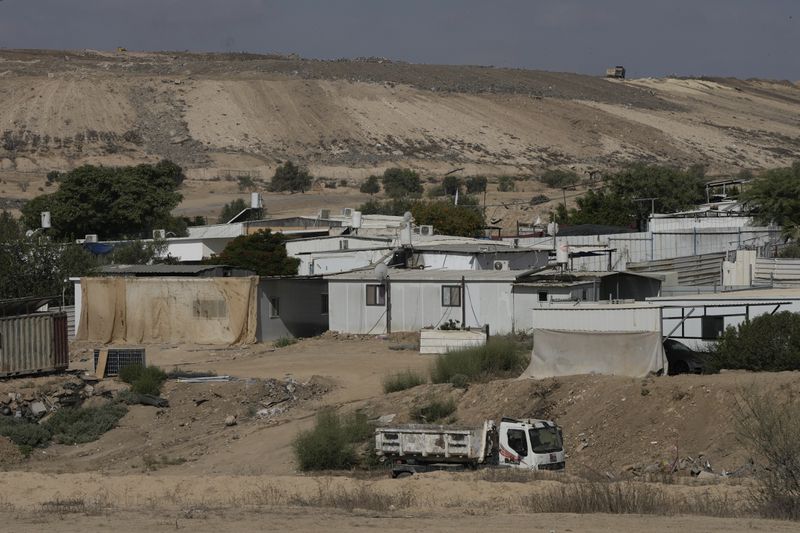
161 310
565 353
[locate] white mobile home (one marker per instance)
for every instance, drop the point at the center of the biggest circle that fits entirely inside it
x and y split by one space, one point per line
410 300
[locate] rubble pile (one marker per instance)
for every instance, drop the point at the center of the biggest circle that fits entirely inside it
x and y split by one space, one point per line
33 400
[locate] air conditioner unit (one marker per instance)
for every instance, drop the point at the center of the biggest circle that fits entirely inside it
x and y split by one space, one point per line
500 265
347 212
426 230
90 238
159 234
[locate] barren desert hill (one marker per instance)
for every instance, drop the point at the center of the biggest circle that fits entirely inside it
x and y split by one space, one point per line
223 114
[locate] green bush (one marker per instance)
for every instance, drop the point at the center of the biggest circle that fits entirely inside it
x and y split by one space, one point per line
433 411
129 374
790 251
330 444
499 357
143 380
768 343
402 380
284 341
23 433
476 184
459 381
505 183
79 425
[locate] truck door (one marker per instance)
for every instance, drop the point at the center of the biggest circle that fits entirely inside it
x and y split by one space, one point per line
514 449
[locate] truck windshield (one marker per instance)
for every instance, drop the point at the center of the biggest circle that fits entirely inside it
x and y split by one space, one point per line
545 440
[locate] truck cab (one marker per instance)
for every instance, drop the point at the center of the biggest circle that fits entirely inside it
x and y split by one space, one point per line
530 444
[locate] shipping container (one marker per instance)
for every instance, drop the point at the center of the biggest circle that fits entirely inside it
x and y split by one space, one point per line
33 344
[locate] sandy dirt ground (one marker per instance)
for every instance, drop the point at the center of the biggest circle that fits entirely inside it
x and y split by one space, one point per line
182 467
312 521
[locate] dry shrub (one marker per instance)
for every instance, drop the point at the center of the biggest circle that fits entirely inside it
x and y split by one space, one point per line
627 498
770 428
402 380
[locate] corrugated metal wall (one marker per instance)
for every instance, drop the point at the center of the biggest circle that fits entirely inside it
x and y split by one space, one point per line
693 270
33 343
655 246
777 272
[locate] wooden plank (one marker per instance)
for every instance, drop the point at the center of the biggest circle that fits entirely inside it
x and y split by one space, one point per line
102 359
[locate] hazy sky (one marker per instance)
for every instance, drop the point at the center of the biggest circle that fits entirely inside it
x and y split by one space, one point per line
743 38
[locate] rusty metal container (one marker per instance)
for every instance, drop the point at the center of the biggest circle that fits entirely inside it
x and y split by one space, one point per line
33 344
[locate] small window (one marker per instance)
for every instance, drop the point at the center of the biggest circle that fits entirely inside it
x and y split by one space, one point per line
274 307
583 295
543 296
376 295
518 442
324 304
451 296
712 327
344 244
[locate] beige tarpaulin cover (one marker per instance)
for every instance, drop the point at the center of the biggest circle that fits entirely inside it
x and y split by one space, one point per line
564 353
159 310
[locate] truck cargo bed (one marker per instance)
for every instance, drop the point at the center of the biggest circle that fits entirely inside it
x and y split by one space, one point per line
427 443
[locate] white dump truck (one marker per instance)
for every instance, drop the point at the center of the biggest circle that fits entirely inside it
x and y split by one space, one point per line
527 444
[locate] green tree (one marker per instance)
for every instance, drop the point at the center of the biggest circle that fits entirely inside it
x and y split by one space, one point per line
451 184
263 252
672 189
396 207
476 184
401 183
113 202
290 177
371 185
556 178
231 209
766 343
37 266
505 183
775 197
138 252
448 219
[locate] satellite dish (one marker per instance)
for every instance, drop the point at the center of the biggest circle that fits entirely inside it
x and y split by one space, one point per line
381 271
29 233
407 216
538 221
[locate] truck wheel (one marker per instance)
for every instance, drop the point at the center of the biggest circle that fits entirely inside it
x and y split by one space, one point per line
403 474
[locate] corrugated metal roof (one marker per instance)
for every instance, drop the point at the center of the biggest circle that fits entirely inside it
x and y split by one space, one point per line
740 295
26 305
475 248
215 231
432 275
163 270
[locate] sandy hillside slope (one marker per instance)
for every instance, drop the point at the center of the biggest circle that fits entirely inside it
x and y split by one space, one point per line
58 109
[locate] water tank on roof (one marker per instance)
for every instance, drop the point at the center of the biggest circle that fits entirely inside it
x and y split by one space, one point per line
255 200
562 254
356 219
